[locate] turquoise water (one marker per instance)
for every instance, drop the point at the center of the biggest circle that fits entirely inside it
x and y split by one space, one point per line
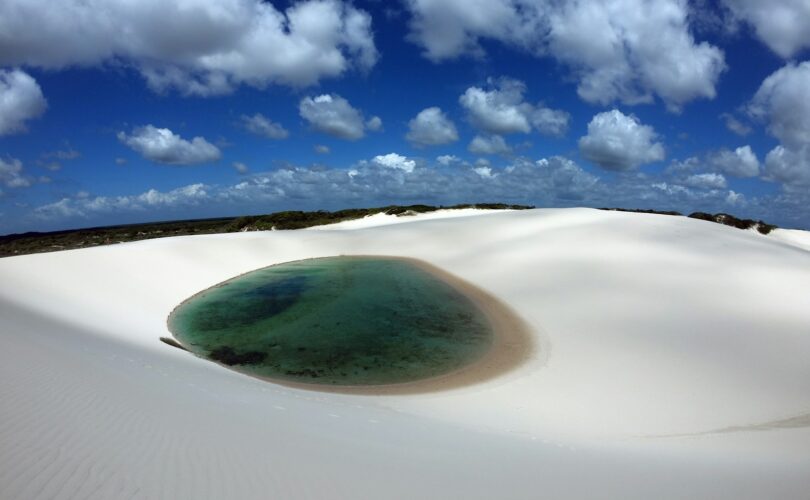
338 320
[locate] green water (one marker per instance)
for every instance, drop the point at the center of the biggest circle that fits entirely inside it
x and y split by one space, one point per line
336 320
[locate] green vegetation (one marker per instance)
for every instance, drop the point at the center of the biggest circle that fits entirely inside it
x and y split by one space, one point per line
730 220
21 244
642 211
721 218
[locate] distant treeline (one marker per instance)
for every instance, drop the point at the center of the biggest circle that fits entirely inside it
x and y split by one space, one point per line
33 242
720 218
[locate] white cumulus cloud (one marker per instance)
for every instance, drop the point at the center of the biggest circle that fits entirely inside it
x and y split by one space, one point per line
199 47
395 161
489 145
567 179
485 171
431 127
619 142
735 125
553 181
788 165
549 121
261 125
618 50
84 206
706 181
742 162
374 124
783 102
734 198
501 109
333 115
446 160
161 145
11 173
784 25
385 179
21 99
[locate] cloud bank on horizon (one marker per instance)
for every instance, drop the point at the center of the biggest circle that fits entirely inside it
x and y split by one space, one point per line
113 111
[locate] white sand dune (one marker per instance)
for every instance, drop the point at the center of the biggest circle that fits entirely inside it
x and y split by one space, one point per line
795 237
673 362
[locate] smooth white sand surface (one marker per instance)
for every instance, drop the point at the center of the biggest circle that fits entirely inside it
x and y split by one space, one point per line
673 362
795 237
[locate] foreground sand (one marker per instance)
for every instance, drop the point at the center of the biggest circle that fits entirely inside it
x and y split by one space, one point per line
673 361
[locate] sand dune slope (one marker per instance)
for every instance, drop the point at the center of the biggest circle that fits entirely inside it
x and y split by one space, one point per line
673 361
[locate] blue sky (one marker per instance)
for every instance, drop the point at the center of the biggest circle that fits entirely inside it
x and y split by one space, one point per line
113 112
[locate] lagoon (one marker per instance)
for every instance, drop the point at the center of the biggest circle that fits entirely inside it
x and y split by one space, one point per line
336 321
